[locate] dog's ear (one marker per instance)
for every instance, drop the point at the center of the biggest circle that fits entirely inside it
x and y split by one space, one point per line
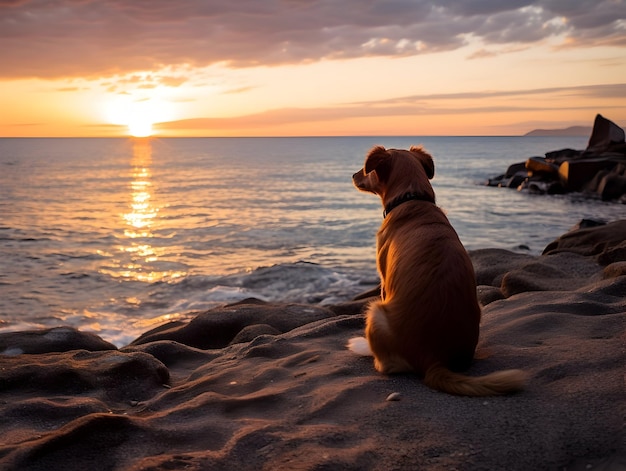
377 159
426 159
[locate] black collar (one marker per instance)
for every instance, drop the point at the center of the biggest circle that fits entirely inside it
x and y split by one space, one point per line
403 199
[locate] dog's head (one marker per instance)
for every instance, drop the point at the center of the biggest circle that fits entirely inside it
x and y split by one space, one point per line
391 173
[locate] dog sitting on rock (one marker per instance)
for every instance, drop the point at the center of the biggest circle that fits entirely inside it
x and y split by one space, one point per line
427 320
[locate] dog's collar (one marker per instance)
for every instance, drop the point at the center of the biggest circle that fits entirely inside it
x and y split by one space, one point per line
403 199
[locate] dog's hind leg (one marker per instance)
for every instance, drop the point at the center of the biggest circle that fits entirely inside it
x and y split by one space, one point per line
380 338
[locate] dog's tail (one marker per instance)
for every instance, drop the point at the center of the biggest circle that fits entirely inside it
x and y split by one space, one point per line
360 346
442 379
501 382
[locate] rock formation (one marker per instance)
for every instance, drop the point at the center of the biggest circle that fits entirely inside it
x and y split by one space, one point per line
598 171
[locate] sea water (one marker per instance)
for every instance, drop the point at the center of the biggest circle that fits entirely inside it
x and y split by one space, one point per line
116 236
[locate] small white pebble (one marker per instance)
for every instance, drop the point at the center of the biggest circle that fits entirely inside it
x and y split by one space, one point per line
395 396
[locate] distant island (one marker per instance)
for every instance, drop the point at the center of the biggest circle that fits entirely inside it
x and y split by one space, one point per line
571 131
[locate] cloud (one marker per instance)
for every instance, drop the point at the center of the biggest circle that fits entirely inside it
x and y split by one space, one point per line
104 38
617 91
415 105
172 81
141 82
235 91
23 124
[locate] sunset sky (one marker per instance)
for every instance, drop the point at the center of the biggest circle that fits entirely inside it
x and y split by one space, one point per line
309 67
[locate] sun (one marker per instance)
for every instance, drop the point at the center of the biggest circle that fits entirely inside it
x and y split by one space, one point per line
140 127
138 116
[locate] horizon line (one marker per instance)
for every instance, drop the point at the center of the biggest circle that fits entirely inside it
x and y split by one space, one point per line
157 136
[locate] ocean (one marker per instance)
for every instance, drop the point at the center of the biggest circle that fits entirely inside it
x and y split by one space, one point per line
117 236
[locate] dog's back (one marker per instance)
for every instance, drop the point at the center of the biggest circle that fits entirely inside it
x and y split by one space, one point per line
429 288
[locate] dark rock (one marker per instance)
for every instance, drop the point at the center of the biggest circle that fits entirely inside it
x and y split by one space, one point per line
353 307
90 442
172 354
115 376
490 265
559 156
576 173
488 294
556 188
612 186
615 269
502 181
598 171
220 327
618 149
539 165
251 332
514 176
591 187
542 187
57 339
605 134
585 223
495 181
517 179
607 242
559 272
536 187
514 169
613 254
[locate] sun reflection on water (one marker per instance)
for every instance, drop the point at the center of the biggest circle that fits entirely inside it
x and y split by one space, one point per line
142 215
141 260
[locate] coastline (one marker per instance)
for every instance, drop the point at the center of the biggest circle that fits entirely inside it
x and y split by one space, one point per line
257 385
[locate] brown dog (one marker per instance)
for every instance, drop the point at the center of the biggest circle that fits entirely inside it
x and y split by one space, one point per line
427 320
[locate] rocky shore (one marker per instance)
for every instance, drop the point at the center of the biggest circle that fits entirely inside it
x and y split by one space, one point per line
599 171
254 385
